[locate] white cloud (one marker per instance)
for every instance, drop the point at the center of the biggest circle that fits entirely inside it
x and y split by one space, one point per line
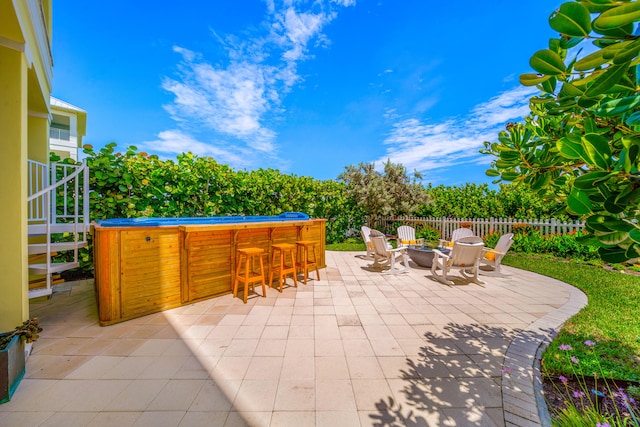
229 101
428 147
238 100
173 142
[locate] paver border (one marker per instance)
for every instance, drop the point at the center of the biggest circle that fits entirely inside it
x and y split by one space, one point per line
522 399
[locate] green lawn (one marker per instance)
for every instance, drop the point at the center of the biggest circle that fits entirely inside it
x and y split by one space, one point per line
611 319
350 245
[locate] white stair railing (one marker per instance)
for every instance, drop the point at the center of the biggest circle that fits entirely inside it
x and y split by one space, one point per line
47 218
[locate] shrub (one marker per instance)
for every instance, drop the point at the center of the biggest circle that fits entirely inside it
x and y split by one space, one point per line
428 233
567 246
491 238
528 240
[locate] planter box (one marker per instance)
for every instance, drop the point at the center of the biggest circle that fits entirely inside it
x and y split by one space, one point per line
12 368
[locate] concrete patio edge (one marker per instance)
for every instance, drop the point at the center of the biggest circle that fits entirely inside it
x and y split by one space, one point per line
522 399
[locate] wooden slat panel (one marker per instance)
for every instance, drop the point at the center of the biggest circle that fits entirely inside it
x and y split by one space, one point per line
209 263
150 271
284 235
178 265
316 233
107 275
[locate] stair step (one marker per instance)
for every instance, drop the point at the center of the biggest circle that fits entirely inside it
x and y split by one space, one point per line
54 268
41 248
40 229
40 292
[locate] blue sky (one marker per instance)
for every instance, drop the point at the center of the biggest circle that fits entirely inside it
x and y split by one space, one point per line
306 87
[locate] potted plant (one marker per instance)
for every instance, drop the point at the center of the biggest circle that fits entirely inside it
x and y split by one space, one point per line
13 356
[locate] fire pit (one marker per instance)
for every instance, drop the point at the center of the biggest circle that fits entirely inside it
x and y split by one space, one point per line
423 255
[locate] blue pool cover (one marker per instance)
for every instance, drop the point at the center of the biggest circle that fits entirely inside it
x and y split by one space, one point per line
154 222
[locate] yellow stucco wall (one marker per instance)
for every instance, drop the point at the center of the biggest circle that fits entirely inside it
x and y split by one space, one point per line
13 192
38 139
25 88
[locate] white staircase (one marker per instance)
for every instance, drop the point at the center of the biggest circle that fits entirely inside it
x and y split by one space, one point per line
58 207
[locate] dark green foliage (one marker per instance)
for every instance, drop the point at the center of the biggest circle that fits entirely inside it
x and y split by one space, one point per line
528 240
135 184
428 233
479 201
581 142
391 192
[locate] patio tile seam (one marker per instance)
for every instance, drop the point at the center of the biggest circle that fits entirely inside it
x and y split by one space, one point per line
533 340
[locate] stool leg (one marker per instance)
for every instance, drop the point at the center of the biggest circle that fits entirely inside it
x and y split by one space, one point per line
315 262
235 279
283 266
293 266
305 269
279 268
247 268
273 261
264 288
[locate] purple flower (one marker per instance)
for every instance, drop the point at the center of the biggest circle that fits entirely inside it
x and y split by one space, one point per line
603 425
589 343
507 370
563 379
578 394
575 360
564 347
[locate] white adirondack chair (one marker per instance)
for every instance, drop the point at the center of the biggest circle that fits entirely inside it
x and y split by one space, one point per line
385 256
465 256
365 232
492 258
457 234
407 236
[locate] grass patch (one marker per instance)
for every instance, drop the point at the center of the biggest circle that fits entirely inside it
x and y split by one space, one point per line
611 319
349 245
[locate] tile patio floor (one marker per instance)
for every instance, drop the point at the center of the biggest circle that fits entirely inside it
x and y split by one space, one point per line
357 348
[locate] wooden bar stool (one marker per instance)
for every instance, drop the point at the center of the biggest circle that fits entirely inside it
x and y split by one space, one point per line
249 277
282 268
304 249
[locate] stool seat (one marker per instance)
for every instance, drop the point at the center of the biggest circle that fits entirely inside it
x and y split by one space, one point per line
304 249
249 276
282 268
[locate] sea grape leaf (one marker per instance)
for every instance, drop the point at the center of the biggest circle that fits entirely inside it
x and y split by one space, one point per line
616 107
607 80
590 180
613 255
571 19
617 17
570 149
532 79
547 62
597 149
579 202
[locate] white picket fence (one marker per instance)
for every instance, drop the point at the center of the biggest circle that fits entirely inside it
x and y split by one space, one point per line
480 227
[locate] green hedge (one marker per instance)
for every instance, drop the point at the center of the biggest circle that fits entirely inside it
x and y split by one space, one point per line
134 184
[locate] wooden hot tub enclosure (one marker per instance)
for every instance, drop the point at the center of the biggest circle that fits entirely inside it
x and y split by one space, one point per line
142 267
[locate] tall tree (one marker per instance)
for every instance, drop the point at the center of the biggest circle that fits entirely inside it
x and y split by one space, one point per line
383 193
582 137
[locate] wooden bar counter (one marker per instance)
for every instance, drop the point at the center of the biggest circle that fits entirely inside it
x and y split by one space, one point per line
147 267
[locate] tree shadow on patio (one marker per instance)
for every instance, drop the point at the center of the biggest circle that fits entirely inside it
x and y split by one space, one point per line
456 379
